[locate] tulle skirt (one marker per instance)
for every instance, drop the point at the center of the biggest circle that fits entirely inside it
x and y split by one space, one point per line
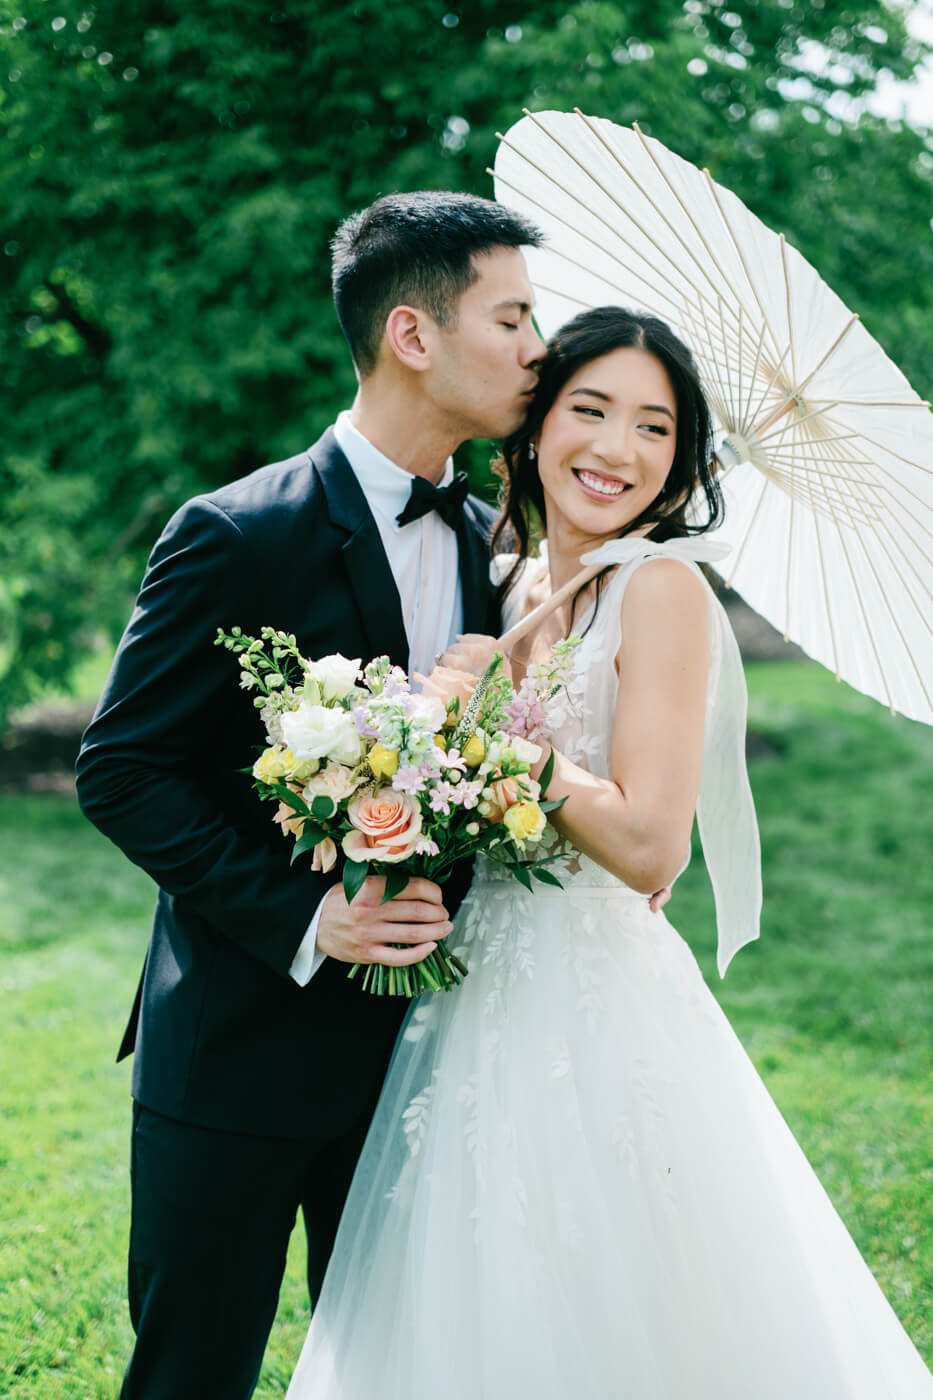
576 1184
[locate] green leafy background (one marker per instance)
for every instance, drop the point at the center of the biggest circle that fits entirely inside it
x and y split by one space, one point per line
171 174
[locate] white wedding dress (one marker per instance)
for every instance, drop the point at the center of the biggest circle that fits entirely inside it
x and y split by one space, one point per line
575 1184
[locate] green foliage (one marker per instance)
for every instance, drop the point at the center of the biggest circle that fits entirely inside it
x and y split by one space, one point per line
171 176
832 1004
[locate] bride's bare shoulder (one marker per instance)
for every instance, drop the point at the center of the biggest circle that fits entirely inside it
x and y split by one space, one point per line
667 596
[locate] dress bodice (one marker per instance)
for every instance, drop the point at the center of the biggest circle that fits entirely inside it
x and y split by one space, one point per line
583 726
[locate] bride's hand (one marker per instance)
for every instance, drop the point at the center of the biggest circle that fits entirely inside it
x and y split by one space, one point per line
659 899
472 652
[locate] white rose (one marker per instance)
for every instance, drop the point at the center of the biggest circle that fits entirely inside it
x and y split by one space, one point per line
524 750
429 712
335 675
313 731
495 749
333 781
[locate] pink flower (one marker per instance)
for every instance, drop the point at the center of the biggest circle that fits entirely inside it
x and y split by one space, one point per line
439 798
325 856
470 793
387 826
289 821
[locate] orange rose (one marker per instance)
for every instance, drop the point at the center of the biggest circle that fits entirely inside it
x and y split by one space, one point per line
387 826
501 796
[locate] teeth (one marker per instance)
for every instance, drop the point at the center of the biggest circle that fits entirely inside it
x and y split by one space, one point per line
597 484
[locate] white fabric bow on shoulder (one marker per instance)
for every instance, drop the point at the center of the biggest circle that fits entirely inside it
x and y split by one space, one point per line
690 547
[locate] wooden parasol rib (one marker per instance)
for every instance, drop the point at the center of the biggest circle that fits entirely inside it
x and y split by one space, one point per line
538 614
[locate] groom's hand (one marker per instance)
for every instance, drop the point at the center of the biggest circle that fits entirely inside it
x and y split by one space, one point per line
364 931
472 652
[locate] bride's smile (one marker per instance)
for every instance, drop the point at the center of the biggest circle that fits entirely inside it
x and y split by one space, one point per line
606 445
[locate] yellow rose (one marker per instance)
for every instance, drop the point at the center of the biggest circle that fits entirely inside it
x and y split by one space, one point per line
304 770
440 742
273 765
525 821
383 761
474 751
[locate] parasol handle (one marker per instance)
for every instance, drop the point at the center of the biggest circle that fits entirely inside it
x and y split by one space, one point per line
538 614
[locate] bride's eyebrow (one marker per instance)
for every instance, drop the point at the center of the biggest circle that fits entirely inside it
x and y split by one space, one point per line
593 393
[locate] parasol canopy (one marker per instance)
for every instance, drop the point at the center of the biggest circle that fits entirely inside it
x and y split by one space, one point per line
826 451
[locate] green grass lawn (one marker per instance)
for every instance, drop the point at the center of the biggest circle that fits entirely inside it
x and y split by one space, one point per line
832 1003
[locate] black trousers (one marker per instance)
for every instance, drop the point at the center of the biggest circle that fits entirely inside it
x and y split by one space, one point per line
212 1214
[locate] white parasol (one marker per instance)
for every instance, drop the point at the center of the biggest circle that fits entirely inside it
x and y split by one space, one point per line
827 452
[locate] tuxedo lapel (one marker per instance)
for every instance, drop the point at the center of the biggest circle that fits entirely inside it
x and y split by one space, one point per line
473 550
368 573
369 576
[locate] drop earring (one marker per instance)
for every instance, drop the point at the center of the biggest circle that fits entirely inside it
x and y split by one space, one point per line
532 453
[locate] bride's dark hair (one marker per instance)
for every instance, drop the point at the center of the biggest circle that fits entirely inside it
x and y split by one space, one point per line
588 337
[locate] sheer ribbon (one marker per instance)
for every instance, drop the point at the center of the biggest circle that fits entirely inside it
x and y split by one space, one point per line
725 809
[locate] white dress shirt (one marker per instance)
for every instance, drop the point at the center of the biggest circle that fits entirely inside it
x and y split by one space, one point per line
423 558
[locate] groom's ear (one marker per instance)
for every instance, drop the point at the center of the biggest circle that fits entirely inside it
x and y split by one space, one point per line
408 335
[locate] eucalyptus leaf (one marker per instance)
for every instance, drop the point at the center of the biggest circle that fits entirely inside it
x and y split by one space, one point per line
291 799
396 880
354 877
307 841
522 876
546 877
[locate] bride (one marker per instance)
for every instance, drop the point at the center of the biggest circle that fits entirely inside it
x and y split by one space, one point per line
575 1182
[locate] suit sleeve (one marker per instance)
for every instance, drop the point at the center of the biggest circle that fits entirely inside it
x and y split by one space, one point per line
143 778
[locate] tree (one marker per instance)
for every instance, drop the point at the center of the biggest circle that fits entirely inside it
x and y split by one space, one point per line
172 173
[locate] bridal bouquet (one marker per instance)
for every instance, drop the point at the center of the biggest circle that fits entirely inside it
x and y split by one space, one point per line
400 782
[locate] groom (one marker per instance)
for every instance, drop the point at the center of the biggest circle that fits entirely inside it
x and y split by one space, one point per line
257 1063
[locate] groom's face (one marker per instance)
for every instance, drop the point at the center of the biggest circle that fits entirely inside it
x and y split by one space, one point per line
483 374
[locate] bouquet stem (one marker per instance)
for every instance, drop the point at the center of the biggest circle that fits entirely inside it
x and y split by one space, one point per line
439 972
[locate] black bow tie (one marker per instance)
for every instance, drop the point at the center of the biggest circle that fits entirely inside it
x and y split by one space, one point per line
446 500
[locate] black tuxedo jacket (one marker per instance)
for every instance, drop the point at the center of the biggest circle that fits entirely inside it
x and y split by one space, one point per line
223 1036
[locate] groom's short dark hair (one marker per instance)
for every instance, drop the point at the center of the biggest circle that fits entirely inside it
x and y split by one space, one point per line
417 250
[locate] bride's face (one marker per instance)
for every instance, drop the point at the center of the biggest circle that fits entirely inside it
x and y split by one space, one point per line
607 444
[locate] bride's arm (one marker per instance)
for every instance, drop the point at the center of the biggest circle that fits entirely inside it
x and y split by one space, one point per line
638 824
